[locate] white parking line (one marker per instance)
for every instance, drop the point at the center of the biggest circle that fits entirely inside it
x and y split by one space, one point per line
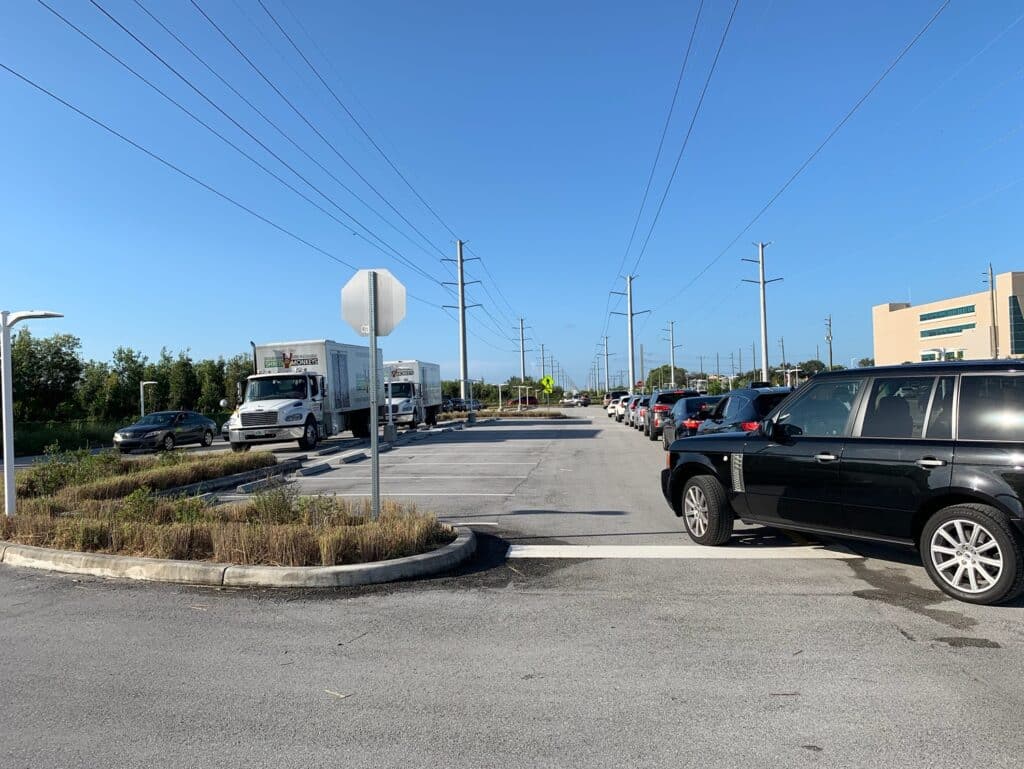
390 477
461 464
678 551
385 493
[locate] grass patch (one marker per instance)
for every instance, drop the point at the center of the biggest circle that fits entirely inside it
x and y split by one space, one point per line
32 438
79 475
276 527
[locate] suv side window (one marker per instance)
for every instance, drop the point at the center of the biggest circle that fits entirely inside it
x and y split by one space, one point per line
940 418
991 408
896 407
824 408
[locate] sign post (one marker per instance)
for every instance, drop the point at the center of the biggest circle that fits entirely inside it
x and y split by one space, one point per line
373 303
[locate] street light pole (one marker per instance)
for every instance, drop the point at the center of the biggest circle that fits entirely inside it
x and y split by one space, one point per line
142 396
7 322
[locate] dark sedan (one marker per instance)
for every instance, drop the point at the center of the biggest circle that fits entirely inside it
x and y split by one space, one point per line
741 411
165 430
685 417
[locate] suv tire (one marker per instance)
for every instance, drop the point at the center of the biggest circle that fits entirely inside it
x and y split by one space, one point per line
706 512
971 553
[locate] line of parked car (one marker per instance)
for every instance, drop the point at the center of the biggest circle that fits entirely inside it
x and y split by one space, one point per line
668 415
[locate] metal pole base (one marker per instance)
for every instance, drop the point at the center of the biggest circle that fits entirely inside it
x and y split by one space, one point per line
390 433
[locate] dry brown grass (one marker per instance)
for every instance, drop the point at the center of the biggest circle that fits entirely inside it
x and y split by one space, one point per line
276 527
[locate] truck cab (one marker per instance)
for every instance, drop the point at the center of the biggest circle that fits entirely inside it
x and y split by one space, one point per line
280 407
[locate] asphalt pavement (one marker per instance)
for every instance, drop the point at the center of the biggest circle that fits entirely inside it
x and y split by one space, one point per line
777 657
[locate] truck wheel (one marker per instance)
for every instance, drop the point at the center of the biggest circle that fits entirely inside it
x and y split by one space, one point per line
431 419
361 425
310 436
971 553
706 512
238 448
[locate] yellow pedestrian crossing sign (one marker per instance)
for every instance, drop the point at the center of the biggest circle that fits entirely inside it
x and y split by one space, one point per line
547 383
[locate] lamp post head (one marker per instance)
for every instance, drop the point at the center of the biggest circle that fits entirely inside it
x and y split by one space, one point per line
148 382
15 317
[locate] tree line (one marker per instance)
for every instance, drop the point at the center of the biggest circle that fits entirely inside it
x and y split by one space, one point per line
52 382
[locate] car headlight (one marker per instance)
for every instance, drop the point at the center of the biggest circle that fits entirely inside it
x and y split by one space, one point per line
296 417
152 434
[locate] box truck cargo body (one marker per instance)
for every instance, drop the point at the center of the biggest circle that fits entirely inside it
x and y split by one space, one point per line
415 390
305 391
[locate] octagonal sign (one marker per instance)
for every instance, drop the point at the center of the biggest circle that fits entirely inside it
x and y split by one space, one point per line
355 302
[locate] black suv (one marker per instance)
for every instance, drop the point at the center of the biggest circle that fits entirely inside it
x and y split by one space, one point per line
930 455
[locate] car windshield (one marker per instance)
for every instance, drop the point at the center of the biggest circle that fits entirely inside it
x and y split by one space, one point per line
399 389
159 418
276 388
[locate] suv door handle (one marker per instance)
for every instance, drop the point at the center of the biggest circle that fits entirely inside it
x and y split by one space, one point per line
930 462
825 457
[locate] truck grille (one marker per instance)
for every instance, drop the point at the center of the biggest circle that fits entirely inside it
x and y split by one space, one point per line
259 418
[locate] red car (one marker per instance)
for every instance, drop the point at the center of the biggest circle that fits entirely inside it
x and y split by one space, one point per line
526 400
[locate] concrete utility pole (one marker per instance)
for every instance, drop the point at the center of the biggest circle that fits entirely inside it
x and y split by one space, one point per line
782 344
741 361
764 310
672 353
828 338
607 384
994 333
522 352
629 328
543 369
718 370
643 377
460 262
732 369
701 359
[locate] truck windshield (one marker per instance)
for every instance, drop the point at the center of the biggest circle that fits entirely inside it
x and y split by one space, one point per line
276 388
400 389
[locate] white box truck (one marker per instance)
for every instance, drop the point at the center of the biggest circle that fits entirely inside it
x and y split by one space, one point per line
415 390
305 391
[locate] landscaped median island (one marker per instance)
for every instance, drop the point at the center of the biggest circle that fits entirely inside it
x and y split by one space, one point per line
103 504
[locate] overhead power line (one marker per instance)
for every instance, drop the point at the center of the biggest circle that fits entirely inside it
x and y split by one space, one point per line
354 119
313 128
661 141
686 139
831 134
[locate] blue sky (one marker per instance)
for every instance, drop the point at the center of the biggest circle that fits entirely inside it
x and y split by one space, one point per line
531 129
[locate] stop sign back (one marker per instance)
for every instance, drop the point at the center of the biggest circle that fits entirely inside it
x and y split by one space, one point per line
355 302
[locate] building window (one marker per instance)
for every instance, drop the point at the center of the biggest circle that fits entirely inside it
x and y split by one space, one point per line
946 330
928 356
952 312
1016 327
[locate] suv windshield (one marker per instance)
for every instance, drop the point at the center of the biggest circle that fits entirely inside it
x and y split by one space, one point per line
399 389
276 388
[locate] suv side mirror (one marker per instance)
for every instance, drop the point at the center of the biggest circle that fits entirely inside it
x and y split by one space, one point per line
784 432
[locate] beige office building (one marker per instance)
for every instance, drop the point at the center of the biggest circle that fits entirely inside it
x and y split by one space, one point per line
961 327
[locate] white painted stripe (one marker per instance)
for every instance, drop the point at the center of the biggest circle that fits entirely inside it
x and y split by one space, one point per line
388 476
384 493
460 464
472 523
678 551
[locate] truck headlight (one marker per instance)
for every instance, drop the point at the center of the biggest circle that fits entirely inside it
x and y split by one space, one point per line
405 407
296 417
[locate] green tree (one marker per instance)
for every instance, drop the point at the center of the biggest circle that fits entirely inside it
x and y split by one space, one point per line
811 367
45 376
183 391
865 362
127 369
236 369
94 388
210 374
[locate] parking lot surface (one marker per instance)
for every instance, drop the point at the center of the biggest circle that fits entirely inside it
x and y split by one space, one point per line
641 651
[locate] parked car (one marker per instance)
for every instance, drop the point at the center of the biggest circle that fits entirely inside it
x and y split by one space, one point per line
631 409
623 408
742 410
165 430
685 416
584 400
926 455
569 401
610 396
640 412
471 404
613 404
658 407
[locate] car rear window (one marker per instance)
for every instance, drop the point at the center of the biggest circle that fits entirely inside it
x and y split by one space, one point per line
765 403
991 408
694 405
669 398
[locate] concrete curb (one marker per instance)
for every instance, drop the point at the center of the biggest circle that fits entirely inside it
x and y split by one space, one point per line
323 467
355 456
263 483
223 574
328 451
231 481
